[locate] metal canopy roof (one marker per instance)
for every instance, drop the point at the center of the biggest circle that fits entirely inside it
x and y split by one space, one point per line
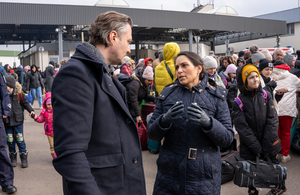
37 22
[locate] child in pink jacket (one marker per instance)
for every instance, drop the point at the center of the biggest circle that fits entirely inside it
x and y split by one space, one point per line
46 116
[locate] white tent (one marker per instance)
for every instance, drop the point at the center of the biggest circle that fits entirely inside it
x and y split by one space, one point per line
112 3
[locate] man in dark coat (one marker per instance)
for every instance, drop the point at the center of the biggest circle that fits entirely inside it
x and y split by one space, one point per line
95 138
6 169
21 74
49 74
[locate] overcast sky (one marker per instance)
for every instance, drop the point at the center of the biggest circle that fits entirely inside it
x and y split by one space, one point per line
246 8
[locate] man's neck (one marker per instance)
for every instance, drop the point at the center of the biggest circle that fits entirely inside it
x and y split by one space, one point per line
104 51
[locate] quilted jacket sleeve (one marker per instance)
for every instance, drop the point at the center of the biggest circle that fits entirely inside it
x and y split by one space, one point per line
154 130
221 132
41 117
245 132
270 142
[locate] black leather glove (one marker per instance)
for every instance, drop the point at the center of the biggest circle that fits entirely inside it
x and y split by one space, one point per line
172 113
200 116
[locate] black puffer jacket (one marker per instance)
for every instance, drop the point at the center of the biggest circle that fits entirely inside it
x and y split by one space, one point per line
257 124
34 79
136 91
17 107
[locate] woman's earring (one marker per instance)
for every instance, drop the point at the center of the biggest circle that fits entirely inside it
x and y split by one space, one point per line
198 73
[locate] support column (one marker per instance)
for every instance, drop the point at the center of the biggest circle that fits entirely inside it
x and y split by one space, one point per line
23 45
60 43
190 40
278 41
212 45
137 49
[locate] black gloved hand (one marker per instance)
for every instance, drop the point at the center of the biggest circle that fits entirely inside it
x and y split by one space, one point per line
200 116
172 113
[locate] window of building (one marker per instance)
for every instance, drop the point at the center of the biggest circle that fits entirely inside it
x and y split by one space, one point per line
290 29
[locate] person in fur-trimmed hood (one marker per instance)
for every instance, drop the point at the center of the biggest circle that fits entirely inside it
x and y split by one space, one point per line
14 123
137 90
255 119
289 84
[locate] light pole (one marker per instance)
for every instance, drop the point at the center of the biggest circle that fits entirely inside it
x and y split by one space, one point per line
41 49
60 30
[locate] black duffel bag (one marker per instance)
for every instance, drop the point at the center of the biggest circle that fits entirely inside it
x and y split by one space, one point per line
259 174
230 159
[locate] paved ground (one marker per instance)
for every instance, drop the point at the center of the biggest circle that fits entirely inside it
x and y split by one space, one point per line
40 178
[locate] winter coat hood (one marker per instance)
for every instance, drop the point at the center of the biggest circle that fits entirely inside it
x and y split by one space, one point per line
47 96
170 51
18 88
147 59
281 71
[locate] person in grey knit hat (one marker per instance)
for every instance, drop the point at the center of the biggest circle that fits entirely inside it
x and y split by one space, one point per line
210 68
256 56
290 60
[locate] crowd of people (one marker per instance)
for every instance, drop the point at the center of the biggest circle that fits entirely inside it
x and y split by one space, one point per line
246 102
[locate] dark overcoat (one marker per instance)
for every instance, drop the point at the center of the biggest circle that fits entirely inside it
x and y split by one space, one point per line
95 137
49 74
190 160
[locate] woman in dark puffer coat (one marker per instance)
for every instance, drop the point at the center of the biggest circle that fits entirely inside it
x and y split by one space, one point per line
137 90
193 116
255 118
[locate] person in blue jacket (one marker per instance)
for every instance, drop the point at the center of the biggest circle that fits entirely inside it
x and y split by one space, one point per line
6 168
193 116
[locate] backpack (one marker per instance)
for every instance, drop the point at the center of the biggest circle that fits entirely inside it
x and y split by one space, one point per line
27 96
124 79
21 97
241 105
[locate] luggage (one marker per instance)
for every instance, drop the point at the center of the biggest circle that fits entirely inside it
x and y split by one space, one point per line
147 109
293 129
230 159
142 135
259 174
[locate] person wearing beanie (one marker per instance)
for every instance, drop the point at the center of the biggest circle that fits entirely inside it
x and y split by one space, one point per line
149 62
255 119
267 83
240 62
211 53
241 54
14 124
164 77
290 60
210 68
256 56
289 84
157 61
267 54
230 72
137 90
125 68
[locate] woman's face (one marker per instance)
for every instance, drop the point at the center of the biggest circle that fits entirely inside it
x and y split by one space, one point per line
33 69
253 81
211 71
240 63
231 75
225 63
150 63
186 72
293 63
266 72
147 82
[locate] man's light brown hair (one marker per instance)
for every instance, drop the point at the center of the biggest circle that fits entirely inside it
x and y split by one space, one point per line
105 23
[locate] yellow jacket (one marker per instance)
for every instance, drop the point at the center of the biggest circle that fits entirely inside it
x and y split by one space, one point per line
162 77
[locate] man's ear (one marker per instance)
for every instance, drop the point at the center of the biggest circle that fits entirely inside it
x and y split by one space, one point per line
113 35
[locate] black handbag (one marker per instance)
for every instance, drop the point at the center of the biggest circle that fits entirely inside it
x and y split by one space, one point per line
230 159
259 174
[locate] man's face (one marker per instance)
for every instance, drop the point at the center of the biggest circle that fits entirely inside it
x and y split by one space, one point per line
121 46
278 55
